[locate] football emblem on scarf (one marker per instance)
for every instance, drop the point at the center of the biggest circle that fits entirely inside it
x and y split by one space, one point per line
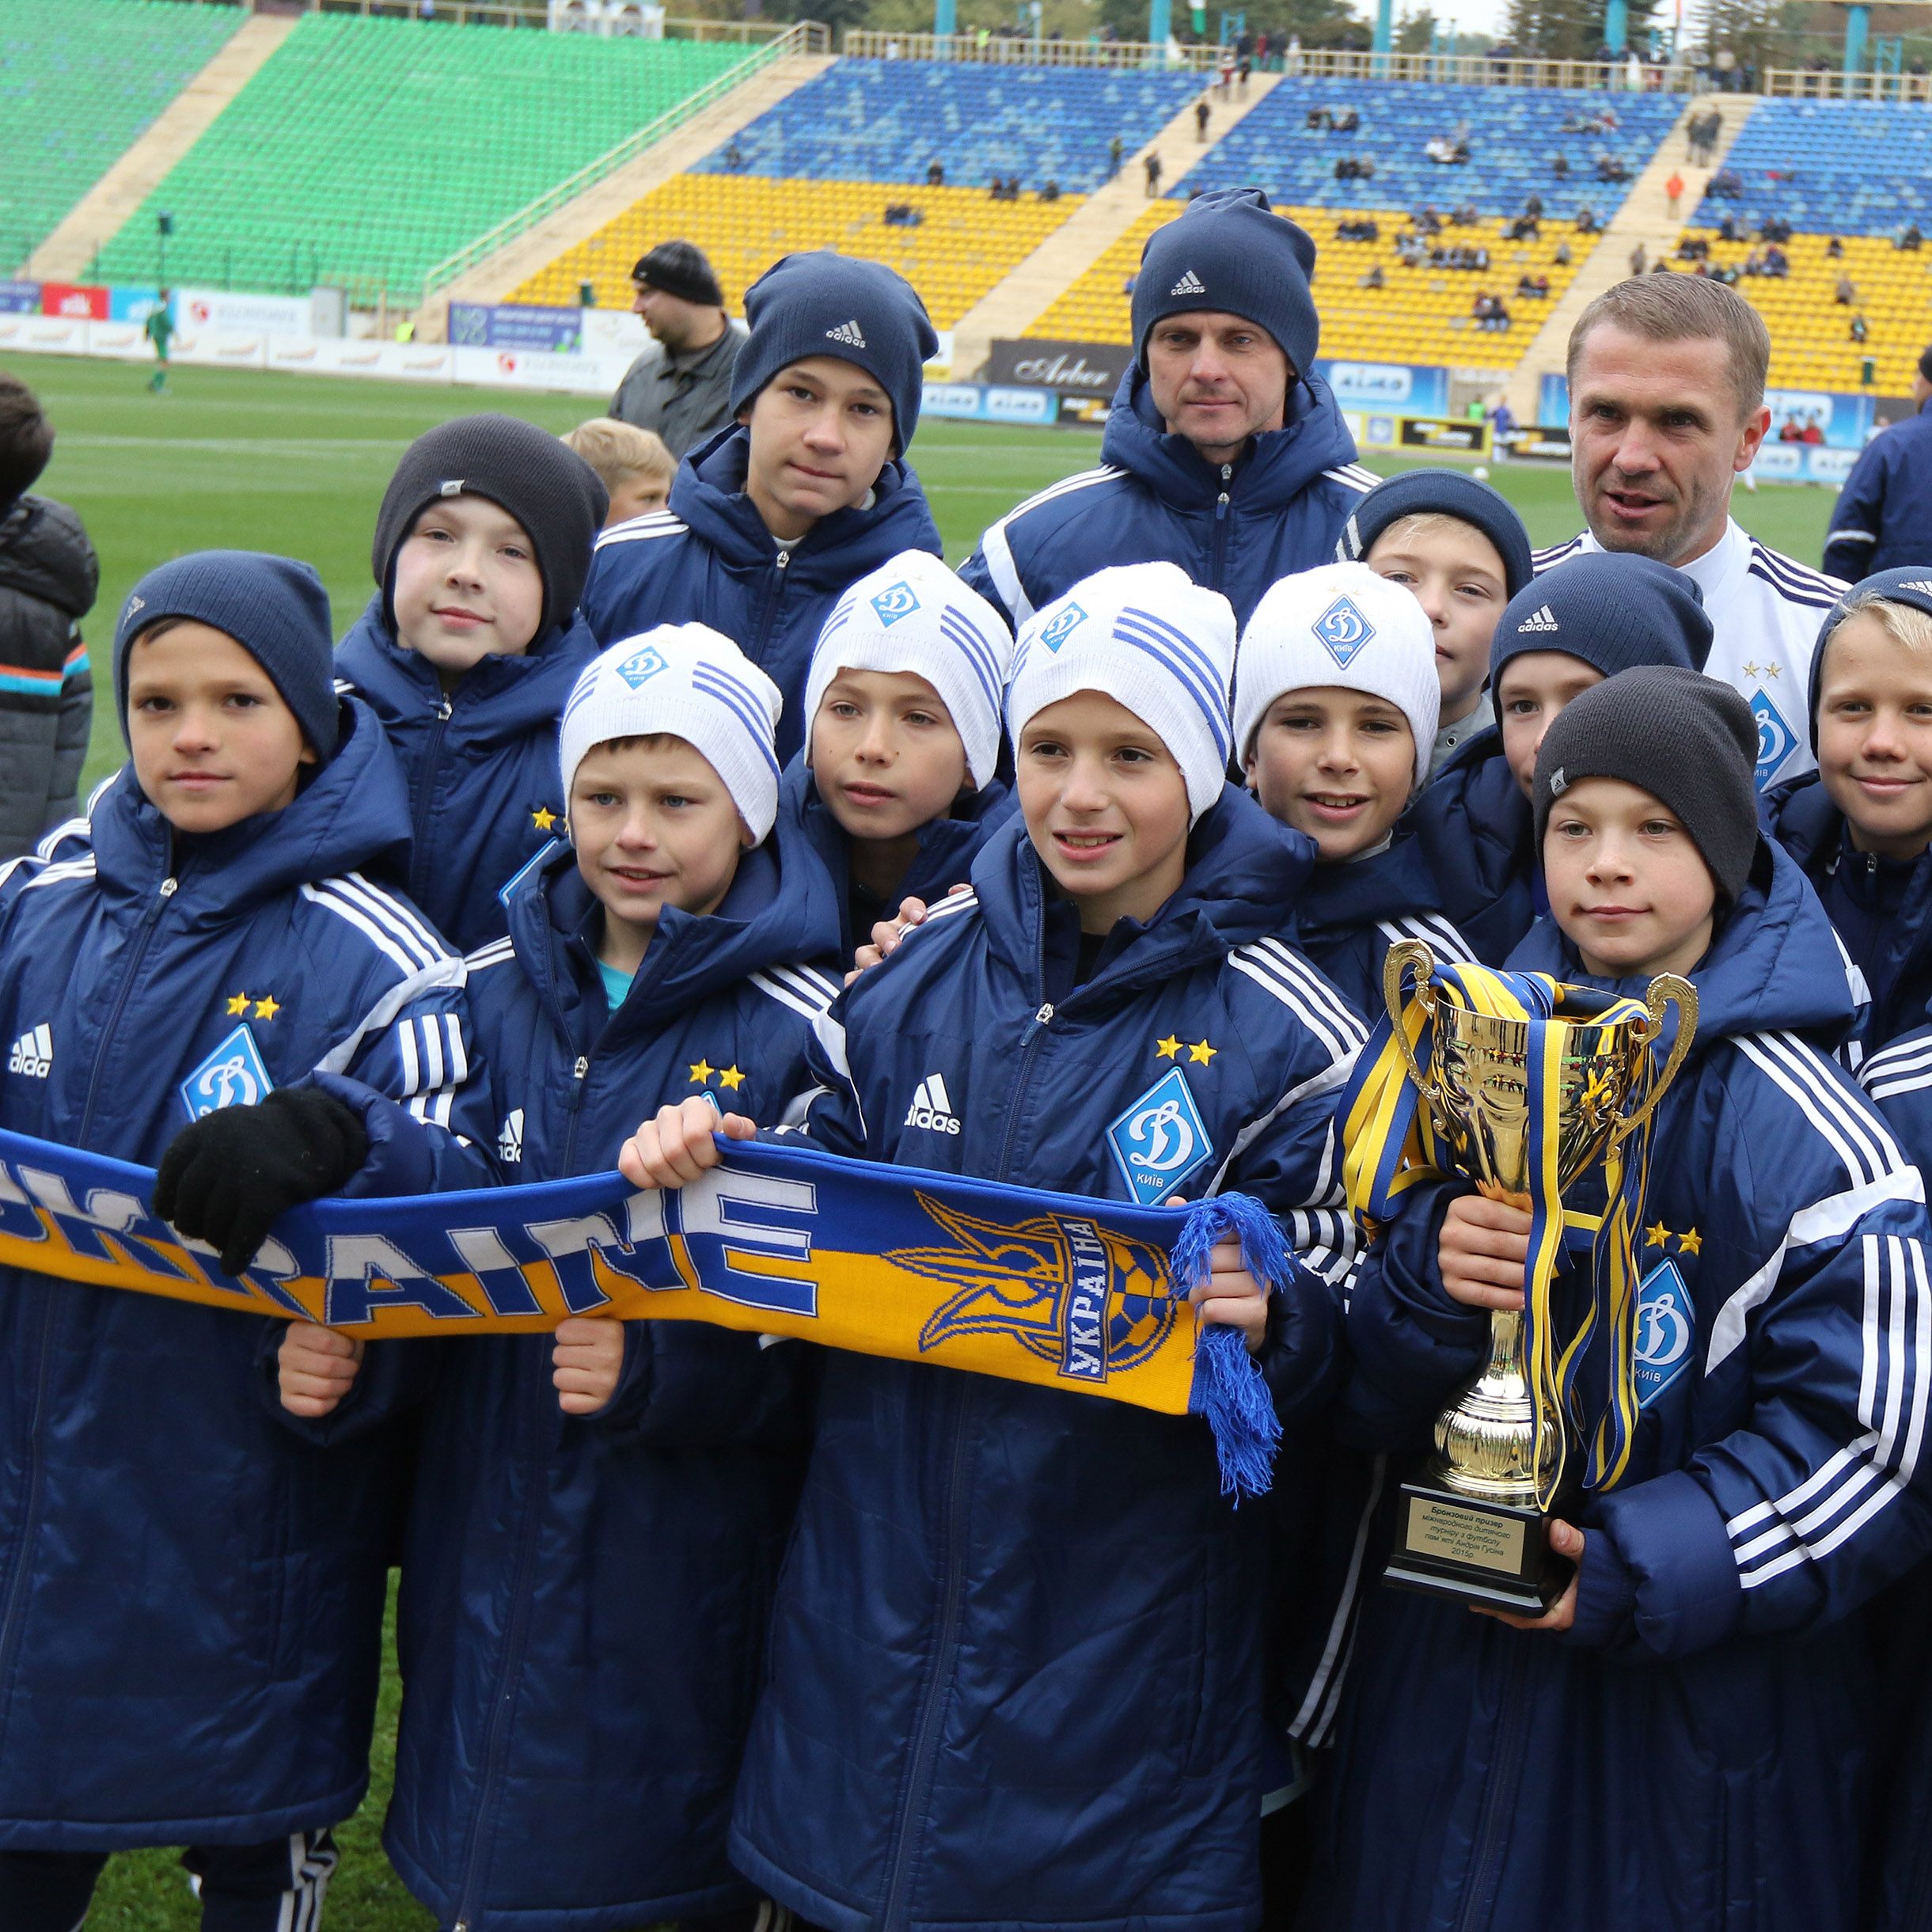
1084 1299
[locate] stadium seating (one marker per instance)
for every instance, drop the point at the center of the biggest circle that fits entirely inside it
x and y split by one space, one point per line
1848 167
1811 341
1420 315
80 80
887 120
366 150
1513 133
964 245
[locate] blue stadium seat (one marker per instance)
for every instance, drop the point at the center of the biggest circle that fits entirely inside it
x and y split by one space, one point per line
886 121
1859 167
1513 133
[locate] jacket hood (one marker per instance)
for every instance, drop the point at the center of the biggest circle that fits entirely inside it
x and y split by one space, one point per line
1340 899
353 813
1774 965
44 553
1476 791
500 698
1281 465
780 911
707 494
1800 815
1245 872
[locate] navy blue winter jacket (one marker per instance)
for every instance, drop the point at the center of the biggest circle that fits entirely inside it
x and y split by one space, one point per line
190 1599
1350 915
585 1600
1694 1754
1880 907
1236 528
1883 518
485 795
1017 1669
946 849
708 559
1473 829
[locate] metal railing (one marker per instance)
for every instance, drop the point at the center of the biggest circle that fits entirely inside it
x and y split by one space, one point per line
805 36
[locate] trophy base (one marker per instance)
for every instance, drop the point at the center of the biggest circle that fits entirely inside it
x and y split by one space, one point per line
1490 1555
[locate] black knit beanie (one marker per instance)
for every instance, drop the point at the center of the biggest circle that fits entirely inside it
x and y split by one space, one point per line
1228 252
550 489
1439 491
1686 739
1611 608
680 268
273 607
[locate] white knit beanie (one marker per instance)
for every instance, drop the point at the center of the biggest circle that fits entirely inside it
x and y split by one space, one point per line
912 614
694 682
1339 625
1147 636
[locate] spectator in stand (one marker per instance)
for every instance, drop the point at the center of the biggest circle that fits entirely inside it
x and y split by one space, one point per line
1374 279
1835 250
1347 122
1789 432
1673 189
1845 295
935 170
1883 518
1050 191
1813 432
1151 166
1589 221
1639 261
48 577
734 159
1776 262
1908 237
1560 167
1860 328
1563 257
1202 112
680 389
1115 148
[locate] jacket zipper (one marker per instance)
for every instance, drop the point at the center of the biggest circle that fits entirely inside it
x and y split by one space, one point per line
419 850
925 1748
769 613
30 1518
1220 524
496 1744
1499 1795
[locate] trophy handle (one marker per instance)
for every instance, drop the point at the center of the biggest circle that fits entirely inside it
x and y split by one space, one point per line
1403 955
1666 989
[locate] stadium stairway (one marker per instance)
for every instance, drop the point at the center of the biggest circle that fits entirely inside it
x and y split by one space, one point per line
494 279
1644 218
1095 226
65 255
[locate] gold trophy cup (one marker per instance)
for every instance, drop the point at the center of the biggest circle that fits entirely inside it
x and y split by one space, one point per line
1471 1527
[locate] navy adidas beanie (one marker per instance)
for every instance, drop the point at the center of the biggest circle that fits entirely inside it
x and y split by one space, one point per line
1686 739
827 304
1443 492
273 607
1226 252
1611 609
1909 584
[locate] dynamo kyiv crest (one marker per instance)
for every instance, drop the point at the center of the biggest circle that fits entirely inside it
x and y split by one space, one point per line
1055 634
1666 1327
1087 1301
1343 630
234 1075
641 665
1160 1140
896 601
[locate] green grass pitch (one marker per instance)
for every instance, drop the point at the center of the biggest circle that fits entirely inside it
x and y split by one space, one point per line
297 464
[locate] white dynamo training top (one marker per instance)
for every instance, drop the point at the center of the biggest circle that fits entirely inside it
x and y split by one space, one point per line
1765 610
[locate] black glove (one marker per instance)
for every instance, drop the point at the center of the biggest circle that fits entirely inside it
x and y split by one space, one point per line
226 1177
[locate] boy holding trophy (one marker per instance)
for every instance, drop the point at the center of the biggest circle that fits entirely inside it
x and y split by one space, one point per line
1680 1739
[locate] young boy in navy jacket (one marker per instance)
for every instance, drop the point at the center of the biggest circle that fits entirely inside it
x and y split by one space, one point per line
1684 1739
1335 706
191 1600
1016 1662
469 648
808 491
1861 824
596 1527
1461 547
1556 639
896 787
